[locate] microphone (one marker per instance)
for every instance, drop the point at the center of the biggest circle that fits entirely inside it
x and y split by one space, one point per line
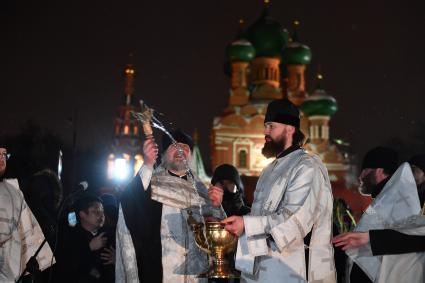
82 186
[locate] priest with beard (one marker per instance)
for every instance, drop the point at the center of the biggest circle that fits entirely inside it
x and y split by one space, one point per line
388 239
286 236
154 241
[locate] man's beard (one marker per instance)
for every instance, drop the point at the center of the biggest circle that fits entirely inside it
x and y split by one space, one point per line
174 165
367 184
272 148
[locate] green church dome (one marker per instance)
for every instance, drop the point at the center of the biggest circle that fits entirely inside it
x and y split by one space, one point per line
296 53
319 103
240 50
267 36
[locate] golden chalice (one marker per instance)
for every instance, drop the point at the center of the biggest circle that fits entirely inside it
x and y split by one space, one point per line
217 242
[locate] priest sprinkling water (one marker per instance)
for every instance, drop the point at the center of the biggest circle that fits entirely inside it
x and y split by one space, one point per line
154 240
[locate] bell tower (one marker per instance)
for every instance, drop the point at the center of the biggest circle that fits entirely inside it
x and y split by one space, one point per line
125 158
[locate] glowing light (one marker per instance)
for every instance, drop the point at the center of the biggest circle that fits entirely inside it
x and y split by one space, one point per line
341 142
121 169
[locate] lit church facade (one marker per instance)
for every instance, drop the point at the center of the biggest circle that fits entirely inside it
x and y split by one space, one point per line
266 63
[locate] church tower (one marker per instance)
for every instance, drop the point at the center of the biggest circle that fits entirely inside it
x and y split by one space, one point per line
268 38
255 79
197 164
125 158
296 56
319 107
240 53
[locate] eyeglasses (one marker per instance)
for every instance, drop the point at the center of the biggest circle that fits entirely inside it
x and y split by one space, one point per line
4 155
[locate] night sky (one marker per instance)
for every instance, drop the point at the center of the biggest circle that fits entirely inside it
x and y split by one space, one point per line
57 56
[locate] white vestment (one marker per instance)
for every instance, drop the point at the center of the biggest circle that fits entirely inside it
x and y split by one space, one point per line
20 234
293 197
396 207
182 260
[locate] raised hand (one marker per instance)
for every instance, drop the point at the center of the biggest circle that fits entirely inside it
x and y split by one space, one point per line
351 240
215 194
150 152
234 224
98 242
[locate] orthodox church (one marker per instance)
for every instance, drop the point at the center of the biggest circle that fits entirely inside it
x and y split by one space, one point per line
265 63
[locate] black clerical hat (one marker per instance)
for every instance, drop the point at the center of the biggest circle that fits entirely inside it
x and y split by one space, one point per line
179 136
227 172
419 161
283 111
381 157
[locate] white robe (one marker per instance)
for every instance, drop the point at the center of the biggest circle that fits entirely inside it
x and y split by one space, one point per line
292 197
182 261
396 207
20 234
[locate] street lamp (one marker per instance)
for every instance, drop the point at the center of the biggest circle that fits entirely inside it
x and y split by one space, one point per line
122 167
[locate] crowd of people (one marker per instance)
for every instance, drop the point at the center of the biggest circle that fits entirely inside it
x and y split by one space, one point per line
288 234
